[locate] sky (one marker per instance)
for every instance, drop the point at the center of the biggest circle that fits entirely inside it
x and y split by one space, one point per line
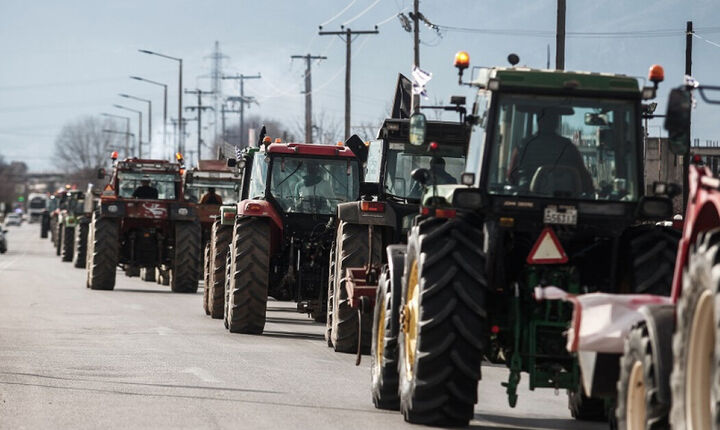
62 60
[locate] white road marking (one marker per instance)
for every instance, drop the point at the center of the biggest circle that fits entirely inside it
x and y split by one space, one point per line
201 373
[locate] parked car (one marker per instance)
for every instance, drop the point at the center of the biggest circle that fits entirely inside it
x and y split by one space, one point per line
13 219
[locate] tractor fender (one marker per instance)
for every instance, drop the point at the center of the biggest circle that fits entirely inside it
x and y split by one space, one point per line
660 322
396 266
264 209
351 212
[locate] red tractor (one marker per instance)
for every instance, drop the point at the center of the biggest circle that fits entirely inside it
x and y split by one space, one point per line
284 230
142 221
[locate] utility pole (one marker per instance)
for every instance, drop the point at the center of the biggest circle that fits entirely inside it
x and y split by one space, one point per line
243 100
688 72
200 108
308 92
416 49
348 43
560 36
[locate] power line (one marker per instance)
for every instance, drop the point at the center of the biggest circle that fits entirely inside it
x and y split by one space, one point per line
337 15
576 34
361 13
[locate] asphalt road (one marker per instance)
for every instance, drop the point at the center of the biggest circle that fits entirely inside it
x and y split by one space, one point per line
142 357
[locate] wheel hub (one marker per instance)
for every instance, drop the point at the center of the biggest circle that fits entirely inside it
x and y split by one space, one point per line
410 320
636 408
700 355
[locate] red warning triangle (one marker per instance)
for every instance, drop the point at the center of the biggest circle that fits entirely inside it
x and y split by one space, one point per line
547 249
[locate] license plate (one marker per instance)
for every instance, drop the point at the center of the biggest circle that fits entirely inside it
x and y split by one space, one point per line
560 215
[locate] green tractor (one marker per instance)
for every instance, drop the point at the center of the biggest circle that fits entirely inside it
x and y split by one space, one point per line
68 222
553 195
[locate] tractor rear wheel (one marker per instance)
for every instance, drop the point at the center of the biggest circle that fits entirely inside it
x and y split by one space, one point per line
330 296
653 251
352 251
586 408
221 240
67 243
102 258
184 275
44 226
383 353
638 407
694 378
206 278
58 239
250 276
443 322
81 238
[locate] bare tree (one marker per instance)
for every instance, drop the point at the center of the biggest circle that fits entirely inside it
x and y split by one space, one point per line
82 146
326 129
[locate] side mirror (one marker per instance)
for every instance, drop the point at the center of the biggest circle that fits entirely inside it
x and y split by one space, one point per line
677 120
101 173
357 146
369 188
418 126
421 176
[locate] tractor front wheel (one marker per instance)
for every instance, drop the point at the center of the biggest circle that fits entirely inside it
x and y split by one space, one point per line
695 343
81 239
67 243
221 239
206 279
250 276
102 258
383 352
443 318
184 275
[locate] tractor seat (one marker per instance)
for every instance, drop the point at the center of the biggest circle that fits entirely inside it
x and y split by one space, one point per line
556 181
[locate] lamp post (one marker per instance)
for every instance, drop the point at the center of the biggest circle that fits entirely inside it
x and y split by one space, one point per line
180 88
139 112
127 130
149 102
138 78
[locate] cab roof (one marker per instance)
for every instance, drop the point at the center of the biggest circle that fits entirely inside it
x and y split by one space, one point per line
524 77
310 149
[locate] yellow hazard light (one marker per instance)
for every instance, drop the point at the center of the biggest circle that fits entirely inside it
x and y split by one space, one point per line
656 74
278 140
178 156
340 143
114 155
267 139
462 60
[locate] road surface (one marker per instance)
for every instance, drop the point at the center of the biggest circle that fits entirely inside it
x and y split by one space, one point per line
142 357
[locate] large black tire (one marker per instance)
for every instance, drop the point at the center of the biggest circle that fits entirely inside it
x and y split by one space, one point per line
147 274
206 278
81 236
383 353
67 243
653 251
102 258
694 379
330 297
58 239
637 387
221 239
185 275
352 251
586 408
44 226
443 322
228 278
250 276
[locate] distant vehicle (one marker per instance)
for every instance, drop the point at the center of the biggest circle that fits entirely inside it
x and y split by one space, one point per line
3 241
13 219
37 203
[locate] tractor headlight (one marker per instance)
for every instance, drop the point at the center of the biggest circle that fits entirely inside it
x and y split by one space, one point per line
112 208
182 211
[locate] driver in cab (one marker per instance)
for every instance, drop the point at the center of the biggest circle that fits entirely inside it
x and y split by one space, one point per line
551 157
313 183
145 190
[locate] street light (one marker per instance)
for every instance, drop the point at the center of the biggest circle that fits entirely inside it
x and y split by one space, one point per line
149 102
181 147
138 78
139 112
127 130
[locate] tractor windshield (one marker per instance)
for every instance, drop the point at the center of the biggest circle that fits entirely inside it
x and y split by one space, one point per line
227 191
447 163
164 183
313 185
568 147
